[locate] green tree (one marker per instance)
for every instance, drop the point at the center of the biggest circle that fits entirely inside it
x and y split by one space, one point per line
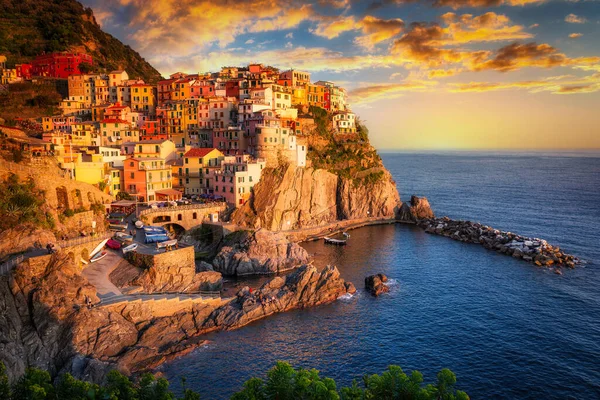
254 389
4 385
154 389
120 386
280 382
34 385
353 392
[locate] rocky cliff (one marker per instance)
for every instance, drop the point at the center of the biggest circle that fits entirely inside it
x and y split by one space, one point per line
260 252
173 271
44 321
289 197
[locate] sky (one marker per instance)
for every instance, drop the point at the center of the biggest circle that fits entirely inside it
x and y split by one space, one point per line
422 74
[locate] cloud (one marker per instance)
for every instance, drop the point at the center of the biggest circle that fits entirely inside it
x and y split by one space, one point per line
534 26
371 93
180 26
565 84
332 27
575 35
377 30
517 55
426 45
574 19
488 27
456 4
289 35
307 59
249 41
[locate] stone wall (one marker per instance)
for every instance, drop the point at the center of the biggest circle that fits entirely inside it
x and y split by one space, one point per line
172 271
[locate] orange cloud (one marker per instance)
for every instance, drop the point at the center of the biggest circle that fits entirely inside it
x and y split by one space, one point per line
575 35
516 56
377 30
368 94
178 26
565 84
456 4
332 27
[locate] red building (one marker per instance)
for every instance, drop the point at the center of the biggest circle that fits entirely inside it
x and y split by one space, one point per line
59 65
23 71
232 88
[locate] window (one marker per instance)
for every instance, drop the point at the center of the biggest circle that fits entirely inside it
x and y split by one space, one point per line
132 175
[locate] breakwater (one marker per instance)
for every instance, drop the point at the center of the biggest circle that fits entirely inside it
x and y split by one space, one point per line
534 250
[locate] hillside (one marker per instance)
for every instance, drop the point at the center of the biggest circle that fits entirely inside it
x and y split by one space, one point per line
30 27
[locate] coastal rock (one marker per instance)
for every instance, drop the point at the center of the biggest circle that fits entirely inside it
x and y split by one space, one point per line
260 252
533 250
305 287
47 324
375 284
173 271
290 197
417 210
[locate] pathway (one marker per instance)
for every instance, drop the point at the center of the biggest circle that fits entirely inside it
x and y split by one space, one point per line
97 274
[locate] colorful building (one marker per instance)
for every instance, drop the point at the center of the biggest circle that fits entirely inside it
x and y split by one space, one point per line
59 65
198 165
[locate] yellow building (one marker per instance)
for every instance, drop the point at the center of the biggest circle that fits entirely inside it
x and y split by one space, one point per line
84 134
198 165
316 96
143 98
92 171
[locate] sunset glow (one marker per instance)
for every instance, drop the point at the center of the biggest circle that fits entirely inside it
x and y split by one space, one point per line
439 74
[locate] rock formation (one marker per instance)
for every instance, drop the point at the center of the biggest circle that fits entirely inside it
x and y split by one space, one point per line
290 197
173 271
44 321
528 249
261 252
417 210
305 287
375 284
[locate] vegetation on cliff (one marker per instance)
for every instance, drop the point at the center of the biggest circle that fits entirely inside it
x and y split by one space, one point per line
23 203
349 155
30 27
283 383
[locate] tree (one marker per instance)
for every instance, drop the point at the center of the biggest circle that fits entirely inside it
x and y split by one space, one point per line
254 389
154 389
4 385
34 385
120 386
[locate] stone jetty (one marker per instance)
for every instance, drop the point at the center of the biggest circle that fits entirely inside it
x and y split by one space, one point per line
534 250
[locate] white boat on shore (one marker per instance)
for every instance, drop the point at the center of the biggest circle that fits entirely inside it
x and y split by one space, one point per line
98 256
131 247
337 242
166 243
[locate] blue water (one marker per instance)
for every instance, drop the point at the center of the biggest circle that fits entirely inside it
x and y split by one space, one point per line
507 329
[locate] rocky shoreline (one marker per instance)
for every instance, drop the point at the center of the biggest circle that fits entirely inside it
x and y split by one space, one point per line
533 250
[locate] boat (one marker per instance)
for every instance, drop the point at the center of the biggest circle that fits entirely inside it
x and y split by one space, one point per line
98 256
166 243
98 248
123 237
139 224
118 226
113 244
338 242
131 247
346 235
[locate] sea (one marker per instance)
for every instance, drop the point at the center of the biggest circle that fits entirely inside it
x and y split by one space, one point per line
506 328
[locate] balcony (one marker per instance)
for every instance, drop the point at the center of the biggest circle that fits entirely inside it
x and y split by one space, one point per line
153 167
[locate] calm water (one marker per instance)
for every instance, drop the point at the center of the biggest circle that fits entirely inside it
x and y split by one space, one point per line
507 329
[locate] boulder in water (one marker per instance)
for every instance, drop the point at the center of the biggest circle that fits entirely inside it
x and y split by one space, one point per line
375 284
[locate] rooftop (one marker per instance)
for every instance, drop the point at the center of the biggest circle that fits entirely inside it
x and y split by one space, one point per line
199 151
